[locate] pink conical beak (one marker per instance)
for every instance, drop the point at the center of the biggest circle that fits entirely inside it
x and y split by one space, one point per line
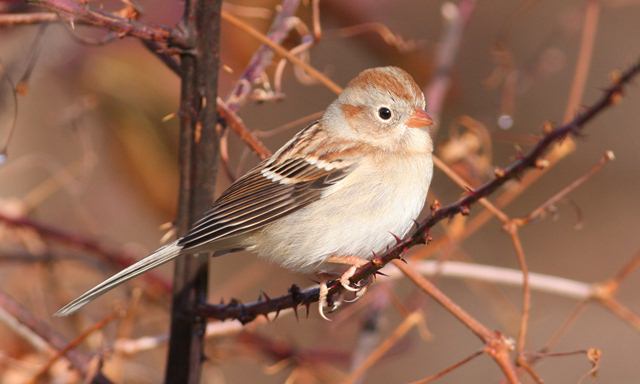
419 119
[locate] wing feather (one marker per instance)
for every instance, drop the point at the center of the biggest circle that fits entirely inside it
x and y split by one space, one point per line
289 180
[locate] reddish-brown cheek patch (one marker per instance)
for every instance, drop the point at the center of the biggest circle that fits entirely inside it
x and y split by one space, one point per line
351 111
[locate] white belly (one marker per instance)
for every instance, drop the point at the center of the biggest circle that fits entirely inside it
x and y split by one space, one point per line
355 218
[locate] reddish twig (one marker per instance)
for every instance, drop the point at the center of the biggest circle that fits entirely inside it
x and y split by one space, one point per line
27 323
236 22
457 17
263 56
236 124
118 258
80 12
13 19
72 345
497 346
447 370
296 296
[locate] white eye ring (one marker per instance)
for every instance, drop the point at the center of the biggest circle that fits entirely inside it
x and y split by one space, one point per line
384 113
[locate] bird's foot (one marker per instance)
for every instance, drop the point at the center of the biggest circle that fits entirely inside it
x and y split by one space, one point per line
323 301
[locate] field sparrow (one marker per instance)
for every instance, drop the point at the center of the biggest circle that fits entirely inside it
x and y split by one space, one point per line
331 197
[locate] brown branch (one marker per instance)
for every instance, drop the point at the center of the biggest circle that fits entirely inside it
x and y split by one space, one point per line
27 323
72 345
263 56
198 168
236 124
282 52
497 346
396 335
119 258
544 207
72 11
13 19
457 18
447 370
296 296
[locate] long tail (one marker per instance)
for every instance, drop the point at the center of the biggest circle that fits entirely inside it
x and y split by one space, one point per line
159 257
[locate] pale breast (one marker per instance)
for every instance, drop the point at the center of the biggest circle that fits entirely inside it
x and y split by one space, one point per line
355 218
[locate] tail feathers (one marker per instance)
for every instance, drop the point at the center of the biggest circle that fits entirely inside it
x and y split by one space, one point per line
159 257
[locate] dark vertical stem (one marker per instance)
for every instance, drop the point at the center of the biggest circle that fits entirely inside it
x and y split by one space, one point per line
198 166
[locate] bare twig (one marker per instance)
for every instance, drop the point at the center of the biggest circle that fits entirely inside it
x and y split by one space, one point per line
263 56
235 123
14 19
73 344
405 326
444 372
72 11
456 17
117 258
282 52
40 334
497 346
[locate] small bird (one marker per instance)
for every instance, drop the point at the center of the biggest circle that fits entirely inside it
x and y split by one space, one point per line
330 198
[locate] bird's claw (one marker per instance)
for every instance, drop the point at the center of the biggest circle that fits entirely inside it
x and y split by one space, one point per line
359 293
345 279
322 300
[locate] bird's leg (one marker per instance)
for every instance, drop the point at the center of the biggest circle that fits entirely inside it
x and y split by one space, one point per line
322 296
345 279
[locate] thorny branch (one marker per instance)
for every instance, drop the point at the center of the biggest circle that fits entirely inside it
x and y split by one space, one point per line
76 11
296 297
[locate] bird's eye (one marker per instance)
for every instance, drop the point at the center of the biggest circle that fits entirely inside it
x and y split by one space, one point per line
384 113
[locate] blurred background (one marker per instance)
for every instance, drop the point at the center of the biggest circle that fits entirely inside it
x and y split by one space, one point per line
94 153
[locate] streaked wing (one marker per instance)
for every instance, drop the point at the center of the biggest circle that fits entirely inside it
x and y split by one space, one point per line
279 186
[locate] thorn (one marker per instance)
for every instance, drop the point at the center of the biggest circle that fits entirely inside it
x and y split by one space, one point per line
542 163
519 154
402 259
307 305
498 172
469 189
616 97
435 206
277 314
266 316
415 222
464 210
429 238
547 127
398 240
295 312
377 261
380 273
267 298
